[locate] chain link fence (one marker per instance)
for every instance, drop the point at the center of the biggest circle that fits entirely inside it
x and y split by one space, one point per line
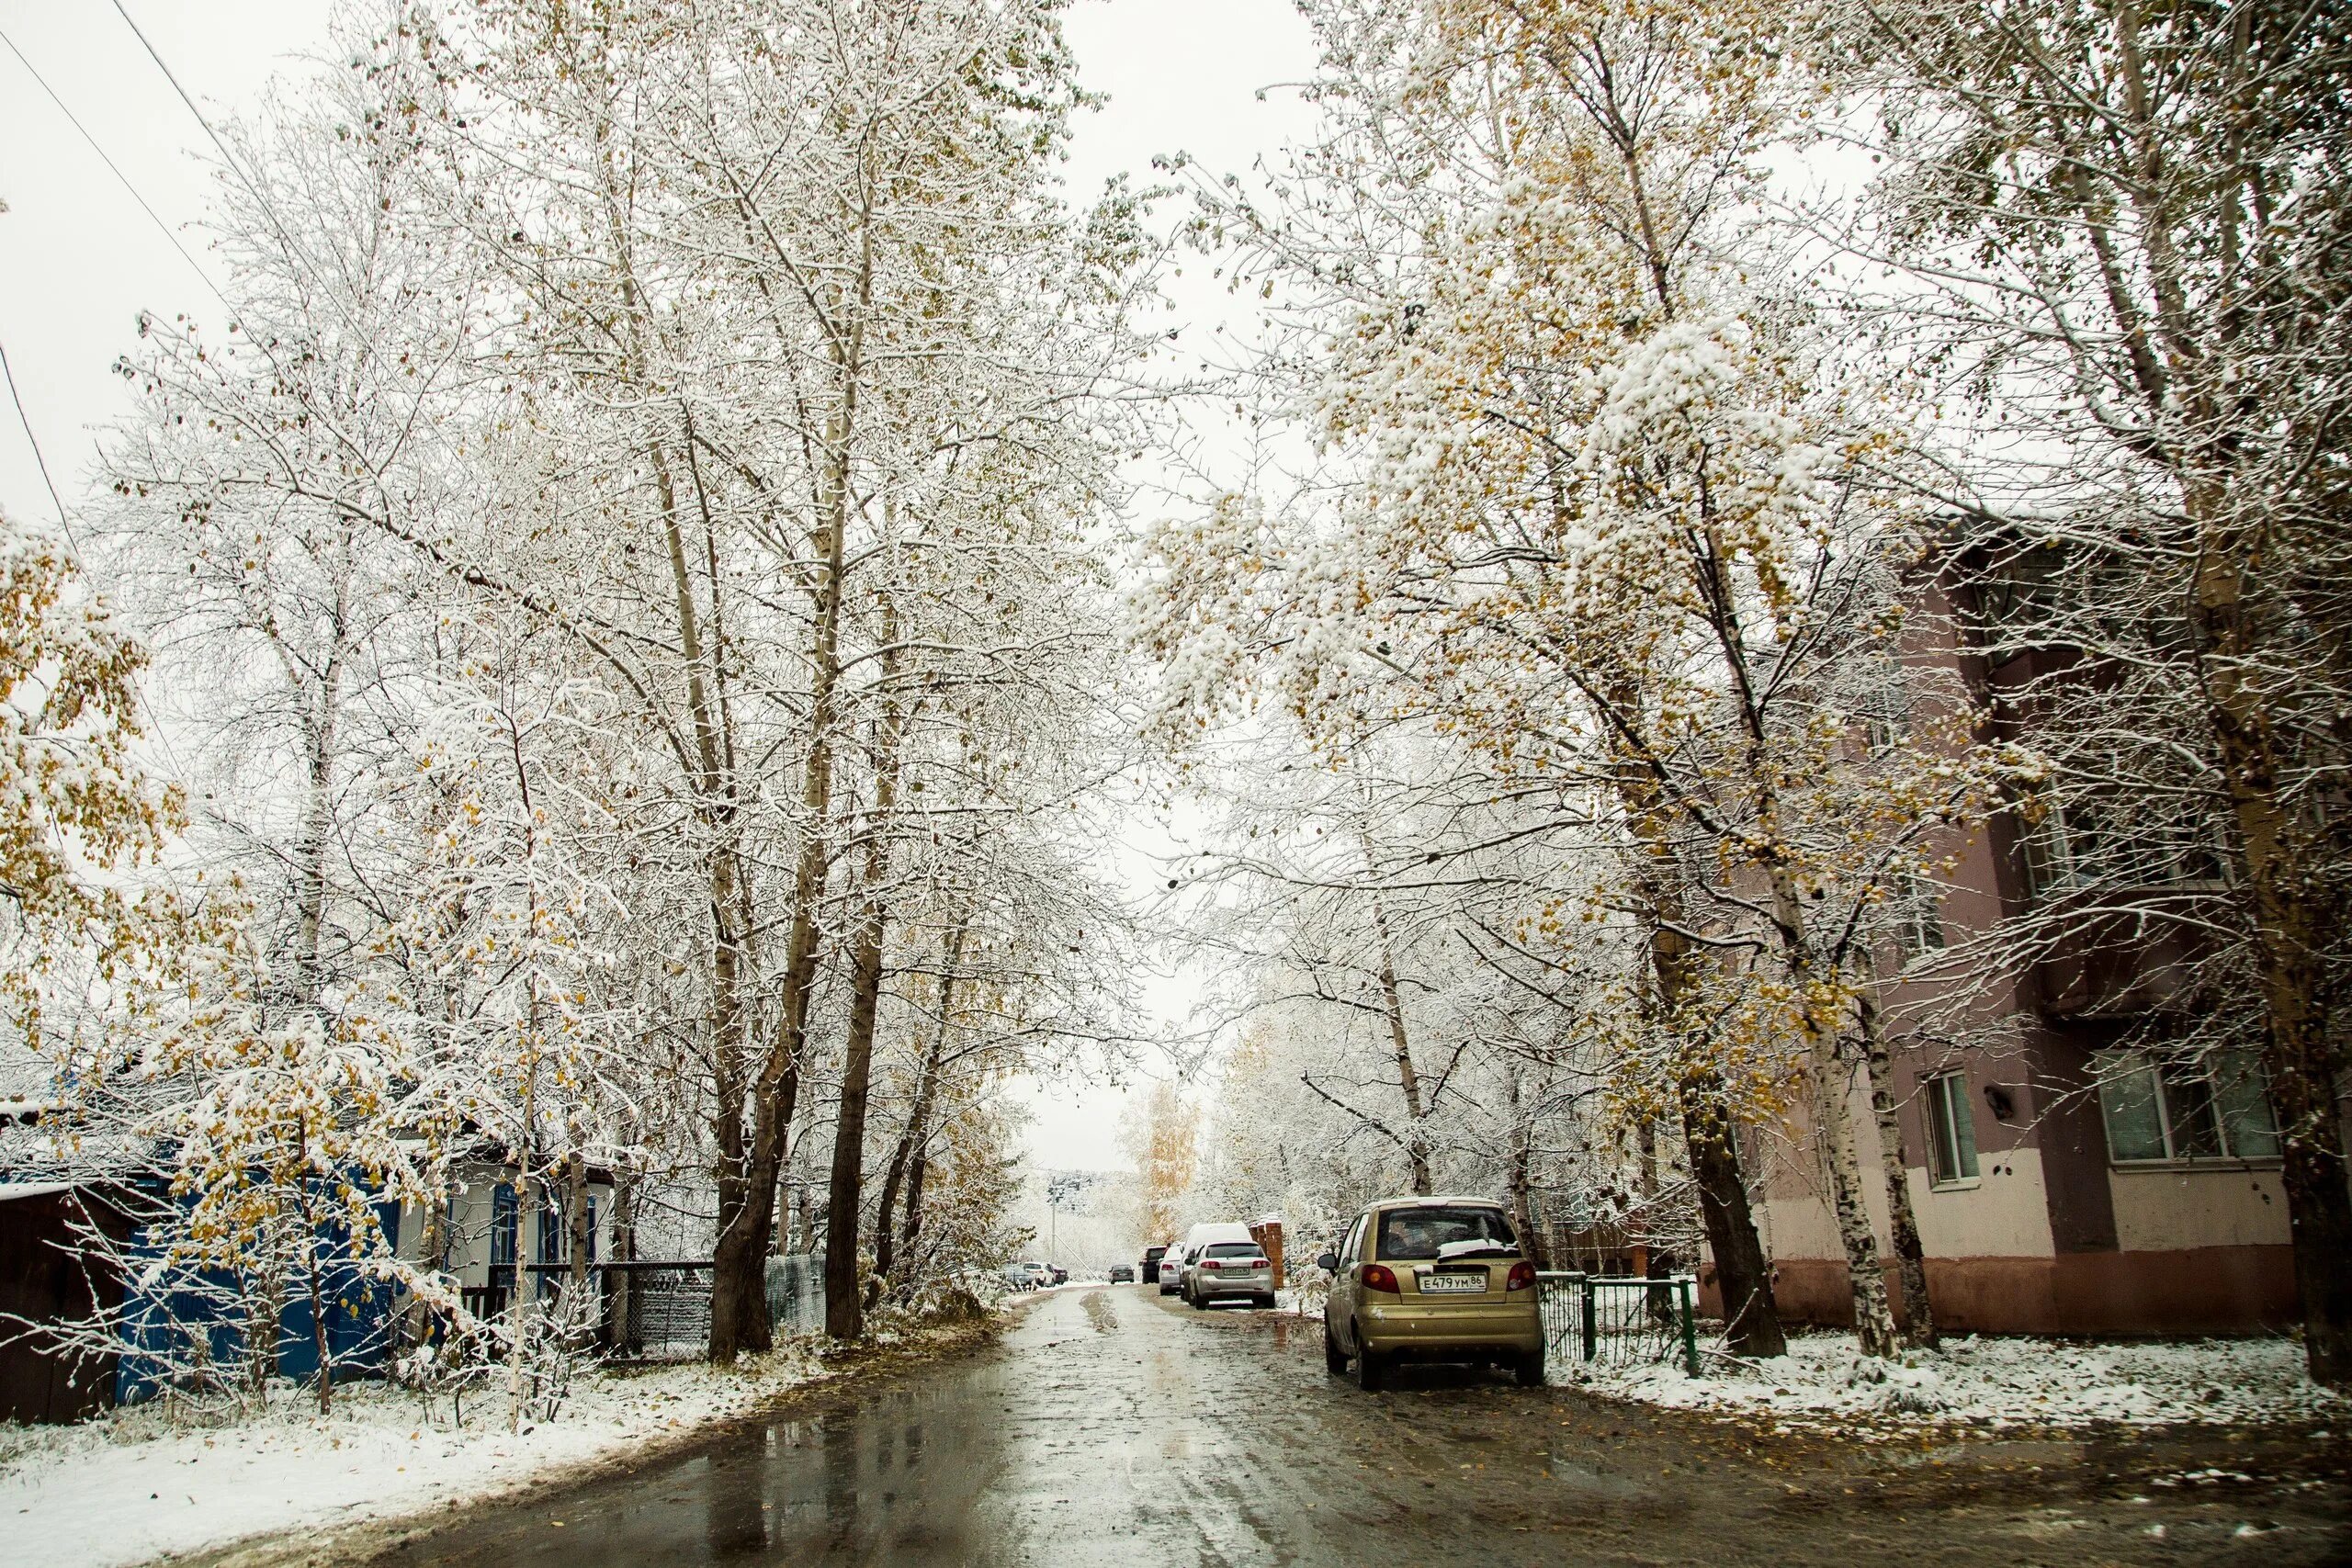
1593 1317
658 1309
663 1309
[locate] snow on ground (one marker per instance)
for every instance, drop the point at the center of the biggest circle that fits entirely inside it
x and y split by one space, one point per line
1993 1383
132 1486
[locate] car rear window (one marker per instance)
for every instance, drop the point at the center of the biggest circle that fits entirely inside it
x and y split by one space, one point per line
1233 1249
1418 1235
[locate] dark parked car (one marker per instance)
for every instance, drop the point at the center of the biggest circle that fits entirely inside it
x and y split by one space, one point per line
1122 1275
1150 1274
1061 1275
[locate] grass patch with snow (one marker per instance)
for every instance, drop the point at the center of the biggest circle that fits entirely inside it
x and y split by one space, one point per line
138 1484
1997 1383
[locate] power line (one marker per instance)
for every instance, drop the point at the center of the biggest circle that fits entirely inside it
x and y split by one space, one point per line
174 80
116 169
268 207
64 516
63 520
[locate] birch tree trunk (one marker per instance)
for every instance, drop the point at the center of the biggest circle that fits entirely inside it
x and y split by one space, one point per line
1919 1319
1830 1078
518 1299
1408 1082
318 826
1518 1169
624 1252
577 1280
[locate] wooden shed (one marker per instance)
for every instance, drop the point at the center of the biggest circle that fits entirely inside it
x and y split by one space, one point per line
47 1275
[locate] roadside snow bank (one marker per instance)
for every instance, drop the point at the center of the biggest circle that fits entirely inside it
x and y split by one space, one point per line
132 1487
1997 1383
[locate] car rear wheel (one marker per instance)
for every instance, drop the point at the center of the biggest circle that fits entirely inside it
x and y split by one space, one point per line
1528 1370
1199 1302
1334 1361
1372 1371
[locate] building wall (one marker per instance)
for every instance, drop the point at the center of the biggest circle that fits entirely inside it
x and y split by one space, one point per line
471 1213
2199 1208
2200 1250
2118 1294
2051 1237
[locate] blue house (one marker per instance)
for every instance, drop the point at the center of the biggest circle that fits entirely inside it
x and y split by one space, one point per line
165 1320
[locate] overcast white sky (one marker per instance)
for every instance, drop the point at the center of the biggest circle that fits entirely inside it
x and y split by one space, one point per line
79 259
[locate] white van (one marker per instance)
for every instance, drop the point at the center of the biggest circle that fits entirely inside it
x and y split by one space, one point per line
1223 1259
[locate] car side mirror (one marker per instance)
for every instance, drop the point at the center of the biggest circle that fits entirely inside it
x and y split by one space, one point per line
1328 1263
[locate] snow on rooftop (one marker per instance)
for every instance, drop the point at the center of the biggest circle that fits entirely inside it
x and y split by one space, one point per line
11 1190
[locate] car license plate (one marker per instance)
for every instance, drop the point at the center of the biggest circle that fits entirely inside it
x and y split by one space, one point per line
1463 1284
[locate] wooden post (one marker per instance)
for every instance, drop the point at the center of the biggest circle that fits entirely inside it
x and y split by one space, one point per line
1268 1234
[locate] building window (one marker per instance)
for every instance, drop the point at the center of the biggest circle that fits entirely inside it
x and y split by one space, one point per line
555 1236
2165 1112
1951 1131
1916 914
2017 598
2084 846
506 1223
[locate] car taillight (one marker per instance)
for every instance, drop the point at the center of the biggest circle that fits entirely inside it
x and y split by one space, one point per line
1261 1263
1210 1265
1379 1277
1523 1275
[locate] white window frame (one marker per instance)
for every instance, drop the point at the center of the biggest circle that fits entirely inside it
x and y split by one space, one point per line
1919 917
2159 1078
1950 1109
2060 861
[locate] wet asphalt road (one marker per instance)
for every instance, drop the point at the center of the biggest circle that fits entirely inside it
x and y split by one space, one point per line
1113 1426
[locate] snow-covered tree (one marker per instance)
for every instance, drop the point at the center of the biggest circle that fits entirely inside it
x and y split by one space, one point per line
2105 236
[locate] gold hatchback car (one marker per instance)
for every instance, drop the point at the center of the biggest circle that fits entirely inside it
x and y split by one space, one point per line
1431 1280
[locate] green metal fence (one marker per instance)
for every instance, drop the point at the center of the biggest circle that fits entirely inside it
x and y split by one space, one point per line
1595 1318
